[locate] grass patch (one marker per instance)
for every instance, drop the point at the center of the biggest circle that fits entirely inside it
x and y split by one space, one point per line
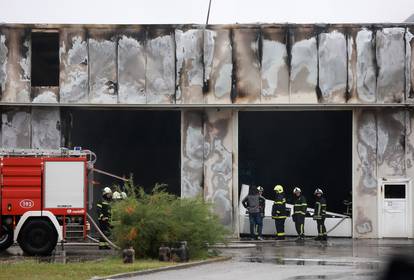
34 270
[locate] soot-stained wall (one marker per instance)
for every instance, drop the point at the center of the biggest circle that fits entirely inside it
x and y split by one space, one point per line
383 149
207 74
207 159
218 64
308 149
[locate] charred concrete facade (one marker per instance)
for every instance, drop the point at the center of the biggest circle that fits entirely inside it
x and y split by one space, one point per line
210 73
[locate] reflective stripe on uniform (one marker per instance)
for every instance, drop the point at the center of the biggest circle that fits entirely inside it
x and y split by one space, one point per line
280 234
299 212
279 217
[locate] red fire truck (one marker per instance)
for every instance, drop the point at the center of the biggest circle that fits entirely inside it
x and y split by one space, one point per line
43 197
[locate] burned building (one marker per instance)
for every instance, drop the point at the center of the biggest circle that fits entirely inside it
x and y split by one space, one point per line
206 109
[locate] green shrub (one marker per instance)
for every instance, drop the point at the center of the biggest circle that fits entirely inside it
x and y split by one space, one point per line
148 220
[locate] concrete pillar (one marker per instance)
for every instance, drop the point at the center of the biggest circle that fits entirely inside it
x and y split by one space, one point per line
209 160
218 162
409 153
365 174
383 148
192 153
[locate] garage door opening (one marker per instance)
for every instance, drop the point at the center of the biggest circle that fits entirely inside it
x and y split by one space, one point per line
306 149
144 143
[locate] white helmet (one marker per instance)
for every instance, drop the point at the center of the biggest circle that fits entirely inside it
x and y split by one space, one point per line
318 190
116 195
123 195
107 190
260 189
297 190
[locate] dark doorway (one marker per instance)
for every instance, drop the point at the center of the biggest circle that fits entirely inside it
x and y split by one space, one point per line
145 143
45 59
306 149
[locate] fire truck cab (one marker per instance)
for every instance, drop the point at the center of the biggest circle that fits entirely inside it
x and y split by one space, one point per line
43 197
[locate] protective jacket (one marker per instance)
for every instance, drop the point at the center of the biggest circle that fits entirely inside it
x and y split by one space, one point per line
279 207
299 206
320 208
104 211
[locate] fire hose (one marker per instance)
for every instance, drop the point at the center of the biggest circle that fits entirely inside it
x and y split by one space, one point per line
102 234
335 226
90 218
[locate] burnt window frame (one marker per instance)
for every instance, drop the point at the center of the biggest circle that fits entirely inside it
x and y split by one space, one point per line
54 71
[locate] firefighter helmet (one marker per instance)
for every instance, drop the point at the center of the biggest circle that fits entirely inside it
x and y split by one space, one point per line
123 195
297 190
318 191
107 190
278 188
260 189
116 195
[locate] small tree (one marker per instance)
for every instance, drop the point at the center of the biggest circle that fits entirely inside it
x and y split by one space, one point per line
148 220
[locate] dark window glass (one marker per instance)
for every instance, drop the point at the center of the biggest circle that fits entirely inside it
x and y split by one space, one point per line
394 191
45 59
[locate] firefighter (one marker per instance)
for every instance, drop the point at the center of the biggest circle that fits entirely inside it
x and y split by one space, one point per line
124 195
104 217
299 213
320 214
252 202
279 212
116 196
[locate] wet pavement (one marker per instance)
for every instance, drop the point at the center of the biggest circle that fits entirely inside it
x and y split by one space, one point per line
335 259
339 258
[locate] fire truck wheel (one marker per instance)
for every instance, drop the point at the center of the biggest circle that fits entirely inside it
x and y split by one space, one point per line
38 237
6 238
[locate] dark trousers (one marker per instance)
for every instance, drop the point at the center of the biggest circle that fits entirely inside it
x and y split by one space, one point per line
321 227
280 227
300 224
106 229
255 219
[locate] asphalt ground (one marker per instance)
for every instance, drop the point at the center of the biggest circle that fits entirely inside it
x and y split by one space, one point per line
336 259
339 258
